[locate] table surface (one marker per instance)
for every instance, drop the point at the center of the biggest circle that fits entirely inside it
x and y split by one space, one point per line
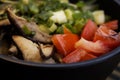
115 74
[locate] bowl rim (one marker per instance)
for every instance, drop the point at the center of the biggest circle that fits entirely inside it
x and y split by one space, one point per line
70 65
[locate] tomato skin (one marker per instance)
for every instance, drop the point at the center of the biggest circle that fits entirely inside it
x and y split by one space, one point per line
112 24
89 30
97 48
78 55
108 37
94 42
65 43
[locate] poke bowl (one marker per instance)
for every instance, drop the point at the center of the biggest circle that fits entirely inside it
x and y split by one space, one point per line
77 39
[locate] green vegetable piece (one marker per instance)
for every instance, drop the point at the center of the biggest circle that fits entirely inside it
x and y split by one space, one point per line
76 15
69 14
64 1
34 9
44 15
44 28
79 25
59 17
27 31
25 1
53 27
80 4
99 16
71 28
59 30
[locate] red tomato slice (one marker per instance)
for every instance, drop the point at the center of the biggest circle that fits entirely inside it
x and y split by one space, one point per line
65 43
109 37
97 48
77 56
89 30
112 24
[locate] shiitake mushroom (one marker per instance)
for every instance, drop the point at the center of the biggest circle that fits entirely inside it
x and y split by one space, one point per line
47 50
28 48
27 28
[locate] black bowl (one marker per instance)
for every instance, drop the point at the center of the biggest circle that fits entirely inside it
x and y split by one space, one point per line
96 69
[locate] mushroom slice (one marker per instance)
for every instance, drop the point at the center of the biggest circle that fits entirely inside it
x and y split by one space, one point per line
47 50
4 22
57 57
49 61
29 49
27 28
4 46
13 50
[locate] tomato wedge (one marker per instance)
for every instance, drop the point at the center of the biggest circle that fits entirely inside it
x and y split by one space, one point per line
97 48
112 24
108 36
89 30
64 43
77 56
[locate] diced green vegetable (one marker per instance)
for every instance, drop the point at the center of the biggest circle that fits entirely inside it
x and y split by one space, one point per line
27 31
99 16
80 4
51 15
53 27
80 19
64 1
44 15
44 28
70 27
76 15
69 14
59 30
59 17
34 9
79 25
25 1
87 5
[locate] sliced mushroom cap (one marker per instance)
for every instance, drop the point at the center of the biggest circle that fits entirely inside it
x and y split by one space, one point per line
13 50
57 57
47 50
29 49
4 22
4 6
22 24
4 46
49 61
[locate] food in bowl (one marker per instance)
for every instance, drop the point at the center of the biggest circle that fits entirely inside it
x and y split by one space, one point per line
56 31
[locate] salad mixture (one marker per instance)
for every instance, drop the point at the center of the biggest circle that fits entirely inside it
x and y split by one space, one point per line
56 31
